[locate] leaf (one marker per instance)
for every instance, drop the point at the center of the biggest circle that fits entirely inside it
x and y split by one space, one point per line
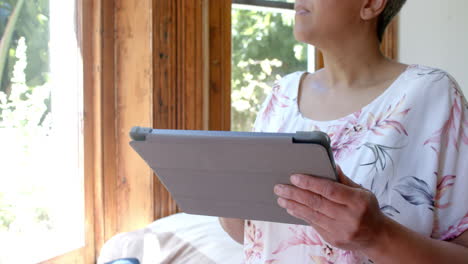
445 184
405 112
389 210
397 126
447 181
400 103
415 191
451 130
370 121
379 117
377 132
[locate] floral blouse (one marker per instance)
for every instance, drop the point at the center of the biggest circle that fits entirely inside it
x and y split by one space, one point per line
409 146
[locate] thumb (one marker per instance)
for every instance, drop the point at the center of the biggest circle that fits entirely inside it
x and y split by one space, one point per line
343 179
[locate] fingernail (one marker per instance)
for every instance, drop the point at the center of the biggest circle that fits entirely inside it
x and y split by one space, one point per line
295 179
278 188
281 202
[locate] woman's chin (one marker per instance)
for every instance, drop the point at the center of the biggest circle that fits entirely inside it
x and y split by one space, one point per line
303 36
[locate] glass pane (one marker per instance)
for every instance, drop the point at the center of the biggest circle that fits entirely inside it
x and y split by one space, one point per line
263 50
41 159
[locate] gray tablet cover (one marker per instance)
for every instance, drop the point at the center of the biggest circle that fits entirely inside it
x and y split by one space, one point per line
232 174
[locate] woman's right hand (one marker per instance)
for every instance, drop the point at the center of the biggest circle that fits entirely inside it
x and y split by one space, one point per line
234 227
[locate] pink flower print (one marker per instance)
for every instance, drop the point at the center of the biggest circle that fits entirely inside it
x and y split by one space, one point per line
277 100
456 230
253 244
443 186
346 136
388 119
452 128
320 260
350 257
345 139
302 235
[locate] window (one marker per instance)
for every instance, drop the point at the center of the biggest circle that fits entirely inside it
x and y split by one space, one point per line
263 50
41 133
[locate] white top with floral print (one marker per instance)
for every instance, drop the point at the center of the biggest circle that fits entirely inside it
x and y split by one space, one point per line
409 146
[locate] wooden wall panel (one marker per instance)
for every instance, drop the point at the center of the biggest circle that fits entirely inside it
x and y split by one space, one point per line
92 65
108 135
180 83
220 65
165 64
165 88
190 62
133 106
87 17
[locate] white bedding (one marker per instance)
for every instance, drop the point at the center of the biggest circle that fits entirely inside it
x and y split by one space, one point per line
180 238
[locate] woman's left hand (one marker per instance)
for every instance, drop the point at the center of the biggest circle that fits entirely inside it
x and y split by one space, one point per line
346 215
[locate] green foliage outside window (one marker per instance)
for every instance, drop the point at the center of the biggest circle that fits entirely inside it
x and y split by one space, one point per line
28 19
24 111
263 50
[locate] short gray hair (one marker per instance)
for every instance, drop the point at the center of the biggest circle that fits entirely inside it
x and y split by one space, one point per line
390 11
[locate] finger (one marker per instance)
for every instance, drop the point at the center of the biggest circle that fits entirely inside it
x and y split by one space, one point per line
344 179
305 213
332 191
310 199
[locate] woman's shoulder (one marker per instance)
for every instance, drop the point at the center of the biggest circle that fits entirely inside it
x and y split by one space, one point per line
288 84
431 82
430 76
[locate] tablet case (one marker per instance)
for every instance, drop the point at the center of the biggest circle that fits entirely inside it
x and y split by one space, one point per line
232 174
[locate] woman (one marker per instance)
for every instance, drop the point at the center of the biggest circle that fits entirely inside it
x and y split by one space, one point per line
400 133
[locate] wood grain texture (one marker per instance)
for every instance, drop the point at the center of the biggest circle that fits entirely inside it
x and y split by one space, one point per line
190 62
165 88
220 65
133 87
108 190
89 18
180 76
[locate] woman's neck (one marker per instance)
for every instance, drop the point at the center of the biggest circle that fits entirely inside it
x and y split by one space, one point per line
357 63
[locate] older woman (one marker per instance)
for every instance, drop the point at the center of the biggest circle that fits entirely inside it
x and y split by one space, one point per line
400 133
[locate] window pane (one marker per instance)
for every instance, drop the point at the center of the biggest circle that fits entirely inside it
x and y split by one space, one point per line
263 50
41 190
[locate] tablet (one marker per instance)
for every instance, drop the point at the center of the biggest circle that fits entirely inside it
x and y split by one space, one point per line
232 174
